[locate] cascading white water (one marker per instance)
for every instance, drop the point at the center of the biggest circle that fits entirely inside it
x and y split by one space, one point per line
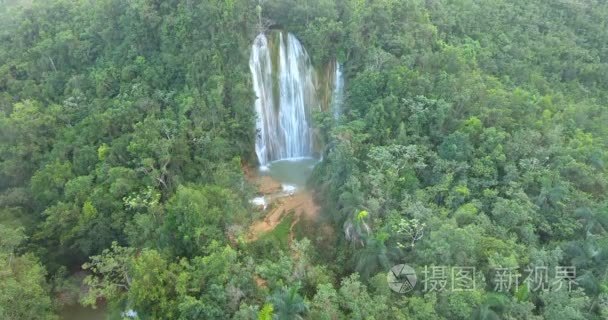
338 92
267 140
284 130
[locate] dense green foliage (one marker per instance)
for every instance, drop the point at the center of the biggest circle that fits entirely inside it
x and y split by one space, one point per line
473 134
482 123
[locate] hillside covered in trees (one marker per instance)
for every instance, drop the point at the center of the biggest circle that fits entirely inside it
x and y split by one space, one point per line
472 136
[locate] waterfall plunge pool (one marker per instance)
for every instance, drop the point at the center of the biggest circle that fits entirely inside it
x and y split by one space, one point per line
292 173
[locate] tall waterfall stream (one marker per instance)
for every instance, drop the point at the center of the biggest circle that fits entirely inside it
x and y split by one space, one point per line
284 85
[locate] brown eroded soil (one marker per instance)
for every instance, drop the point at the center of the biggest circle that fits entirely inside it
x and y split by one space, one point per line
264 184
301 203
267 185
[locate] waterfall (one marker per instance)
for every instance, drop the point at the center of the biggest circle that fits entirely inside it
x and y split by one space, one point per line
338 92
285 94
267 140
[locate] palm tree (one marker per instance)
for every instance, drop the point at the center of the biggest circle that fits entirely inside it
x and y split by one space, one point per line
288 304
374 256
356 229
590 254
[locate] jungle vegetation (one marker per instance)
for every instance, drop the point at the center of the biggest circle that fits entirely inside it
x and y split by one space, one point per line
473 133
